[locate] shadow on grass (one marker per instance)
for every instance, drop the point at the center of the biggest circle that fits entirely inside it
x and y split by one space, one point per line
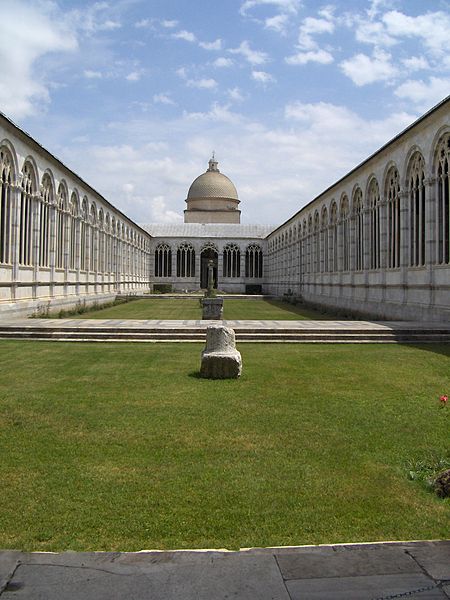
196 375
306 312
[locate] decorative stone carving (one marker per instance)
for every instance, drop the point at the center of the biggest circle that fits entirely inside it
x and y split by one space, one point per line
220 359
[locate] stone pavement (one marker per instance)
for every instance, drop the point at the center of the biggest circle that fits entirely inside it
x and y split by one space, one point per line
341 572
137 330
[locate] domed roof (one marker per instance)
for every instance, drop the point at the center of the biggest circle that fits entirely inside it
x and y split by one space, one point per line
212 184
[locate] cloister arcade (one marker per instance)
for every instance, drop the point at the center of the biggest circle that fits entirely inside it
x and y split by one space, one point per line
184 263
377 241
59 239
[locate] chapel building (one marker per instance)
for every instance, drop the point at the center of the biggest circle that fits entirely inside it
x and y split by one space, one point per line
377 242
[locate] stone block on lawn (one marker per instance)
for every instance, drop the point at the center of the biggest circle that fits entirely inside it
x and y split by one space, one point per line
220 359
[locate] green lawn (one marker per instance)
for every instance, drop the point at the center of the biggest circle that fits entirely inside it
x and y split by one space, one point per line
189 308
123 447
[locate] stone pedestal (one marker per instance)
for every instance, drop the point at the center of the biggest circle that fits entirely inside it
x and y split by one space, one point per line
212 309
220 359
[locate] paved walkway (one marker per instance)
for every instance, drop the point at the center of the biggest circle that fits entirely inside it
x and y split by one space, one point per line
344 572
143 324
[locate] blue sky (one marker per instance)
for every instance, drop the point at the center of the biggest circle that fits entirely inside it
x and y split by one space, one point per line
134 95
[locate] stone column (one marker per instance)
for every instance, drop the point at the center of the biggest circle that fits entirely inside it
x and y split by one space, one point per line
431 233
52 247
404 242
15 199
36 200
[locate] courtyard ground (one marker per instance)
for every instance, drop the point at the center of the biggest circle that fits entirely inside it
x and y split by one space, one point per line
123 447
189 308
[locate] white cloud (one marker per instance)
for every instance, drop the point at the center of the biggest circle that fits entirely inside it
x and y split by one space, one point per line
222 62
312 26
216 45
301 58
202 84
134 76
27 34
254 57
182 72
160 213
188 36
163 99
218 113
109 25
289 6
416 63
263 77
293 160
143 23
373 32
431 28
235 94
92 74
278 23
363 69
308 49
425 94
169 23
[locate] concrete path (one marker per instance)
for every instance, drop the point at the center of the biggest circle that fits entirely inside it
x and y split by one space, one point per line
142 324
343 572
109 330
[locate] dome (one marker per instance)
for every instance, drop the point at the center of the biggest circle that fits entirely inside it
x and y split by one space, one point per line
212 184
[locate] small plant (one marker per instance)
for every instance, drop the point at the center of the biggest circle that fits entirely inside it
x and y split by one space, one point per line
426 470
42 311
443 400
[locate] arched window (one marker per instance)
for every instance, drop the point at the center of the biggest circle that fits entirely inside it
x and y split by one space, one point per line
5 205
374 224
101 242
324 240
443 197
107 243
253 261
60 226
316 246
26 216
345 234
231 261
73 231
163 261
44 220
185 261
333 238
310 244
84 242
393 218
359 229
416 210
93 265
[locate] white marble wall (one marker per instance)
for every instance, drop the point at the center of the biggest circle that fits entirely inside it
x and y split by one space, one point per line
301 255
94 251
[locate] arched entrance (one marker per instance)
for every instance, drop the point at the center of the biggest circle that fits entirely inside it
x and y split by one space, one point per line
207 254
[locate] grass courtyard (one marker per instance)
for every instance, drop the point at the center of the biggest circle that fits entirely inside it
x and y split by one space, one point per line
189 308
123 447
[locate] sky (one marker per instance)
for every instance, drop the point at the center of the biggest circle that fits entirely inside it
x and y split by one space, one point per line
135 95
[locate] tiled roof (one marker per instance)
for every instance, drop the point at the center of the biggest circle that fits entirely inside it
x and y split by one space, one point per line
208 230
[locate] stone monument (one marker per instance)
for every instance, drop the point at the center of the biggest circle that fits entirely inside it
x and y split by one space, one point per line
220 359
212 307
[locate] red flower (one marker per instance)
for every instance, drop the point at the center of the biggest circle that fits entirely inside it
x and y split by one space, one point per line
444 399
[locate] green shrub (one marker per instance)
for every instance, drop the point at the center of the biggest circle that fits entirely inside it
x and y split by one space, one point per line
162 288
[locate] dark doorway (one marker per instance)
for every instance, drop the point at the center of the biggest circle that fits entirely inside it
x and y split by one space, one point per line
206 255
